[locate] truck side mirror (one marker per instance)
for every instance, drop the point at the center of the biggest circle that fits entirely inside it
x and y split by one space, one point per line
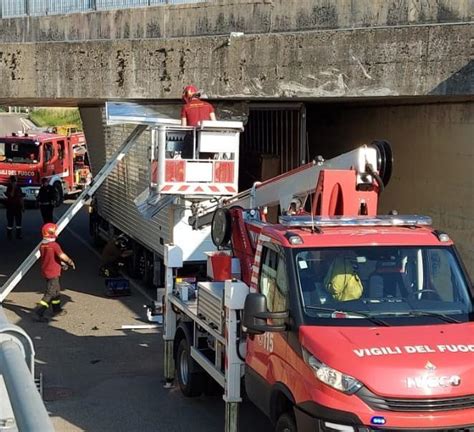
256 314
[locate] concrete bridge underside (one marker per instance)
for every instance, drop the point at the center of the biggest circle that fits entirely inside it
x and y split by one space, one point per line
242 49
420 61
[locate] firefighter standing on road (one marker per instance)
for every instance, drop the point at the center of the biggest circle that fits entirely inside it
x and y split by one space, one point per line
46 200
52 261
195 110
15 208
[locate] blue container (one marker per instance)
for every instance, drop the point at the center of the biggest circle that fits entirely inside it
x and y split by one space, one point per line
116 287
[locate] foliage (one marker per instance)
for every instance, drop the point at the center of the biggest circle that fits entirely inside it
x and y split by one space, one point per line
55 116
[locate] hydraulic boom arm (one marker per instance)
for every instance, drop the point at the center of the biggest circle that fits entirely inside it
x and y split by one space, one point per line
370 163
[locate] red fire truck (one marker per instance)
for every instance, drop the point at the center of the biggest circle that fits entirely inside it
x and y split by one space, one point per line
336 319
30 157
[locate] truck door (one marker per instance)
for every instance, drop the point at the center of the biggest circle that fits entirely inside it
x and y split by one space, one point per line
48 159
266 353
60 165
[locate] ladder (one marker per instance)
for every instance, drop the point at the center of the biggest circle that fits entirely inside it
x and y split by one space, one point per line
86 194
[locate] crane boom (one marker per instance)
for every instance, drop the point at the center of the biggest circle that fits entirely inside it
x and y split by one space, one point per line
366 161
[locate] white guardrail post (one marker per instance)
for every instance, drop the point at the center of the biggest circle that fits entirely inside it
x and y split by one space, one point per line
21 406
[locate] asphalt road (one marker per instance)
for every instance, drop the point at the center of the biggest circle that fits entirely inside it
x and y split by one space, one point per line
96 376
13 123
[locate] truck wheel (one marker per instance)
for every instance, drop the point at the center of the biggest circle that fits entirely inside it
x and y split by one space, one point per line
191 384
59 193
286 423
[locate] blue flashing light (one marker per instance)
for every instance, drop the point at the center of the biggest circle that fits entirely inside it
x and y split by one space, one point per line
30 181
378 420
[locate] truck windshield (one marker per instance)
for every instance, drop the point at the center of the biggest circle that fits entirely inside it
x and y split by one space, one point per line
403 283
19 152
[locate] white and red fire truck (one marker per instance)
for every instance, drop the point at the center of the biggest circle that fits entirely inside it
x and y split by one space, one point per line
336 319
31 157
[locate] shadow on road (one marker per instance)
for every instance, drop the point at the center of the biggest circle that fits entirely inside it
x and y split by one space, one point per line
98 377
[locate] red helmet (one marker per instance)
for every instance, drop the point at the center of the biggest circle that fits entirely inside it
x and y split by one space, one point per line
190 91
49 231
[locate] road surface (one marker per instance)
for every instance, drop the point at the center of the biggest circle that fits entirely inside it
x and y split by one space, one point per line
97 377
14 123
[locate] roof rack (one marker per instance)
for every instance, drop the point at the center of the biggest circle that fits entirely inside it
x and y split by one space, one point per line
337 221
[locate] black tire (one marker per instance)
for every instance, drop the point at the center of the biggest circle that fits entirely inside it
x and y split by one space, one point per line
191 384
59 193
286 423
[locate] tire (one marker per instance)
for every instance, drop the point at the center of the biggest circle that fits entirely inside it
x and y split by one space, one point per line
59 193
190 383
286 423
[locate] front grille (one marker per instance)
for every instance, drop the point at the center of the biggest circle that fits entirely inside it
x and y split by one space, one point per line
415 404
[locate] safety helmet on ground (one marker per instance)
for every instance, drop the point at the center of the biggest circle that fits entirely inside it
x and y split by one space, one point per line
49 231
189 92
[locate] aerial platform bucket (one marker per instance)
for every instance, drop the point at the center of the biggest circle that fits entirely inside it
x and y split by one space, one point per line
201 162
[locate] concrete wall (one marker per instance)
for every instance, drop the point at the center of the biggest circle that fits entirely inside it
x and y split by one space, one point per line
434 158
398 61
225 16
290 48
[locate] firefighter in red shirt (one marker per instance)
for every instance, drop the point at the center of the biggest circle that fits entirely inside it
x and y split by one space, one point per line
195 110
52 260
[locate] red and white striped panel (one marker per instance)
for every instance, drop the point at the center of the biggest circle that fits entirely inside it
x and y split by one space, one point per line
256 263
198 189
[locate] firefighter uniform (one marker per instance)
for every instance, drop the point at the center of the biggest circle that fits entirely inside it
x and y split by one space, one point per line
14 205
52 257
196 110
46 200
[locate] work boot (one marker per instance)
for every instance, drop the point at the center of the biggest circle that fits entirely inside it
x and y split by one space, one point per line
38 313
9 234
57 309
18 234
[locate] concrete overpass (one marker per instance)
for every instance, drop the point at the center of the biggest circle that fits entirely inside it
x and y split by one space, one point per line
289 48
336 74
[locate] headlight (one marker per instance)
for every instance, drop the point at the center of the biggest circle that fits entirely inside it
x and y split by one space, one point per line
331 377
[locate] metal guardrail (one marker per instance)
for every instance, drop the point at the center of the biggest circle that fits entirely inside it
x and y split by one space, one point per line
21 406
21 8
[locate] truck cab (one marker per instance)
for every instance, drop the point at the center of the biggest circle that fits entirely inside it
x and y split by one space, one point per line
30 157
359 324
